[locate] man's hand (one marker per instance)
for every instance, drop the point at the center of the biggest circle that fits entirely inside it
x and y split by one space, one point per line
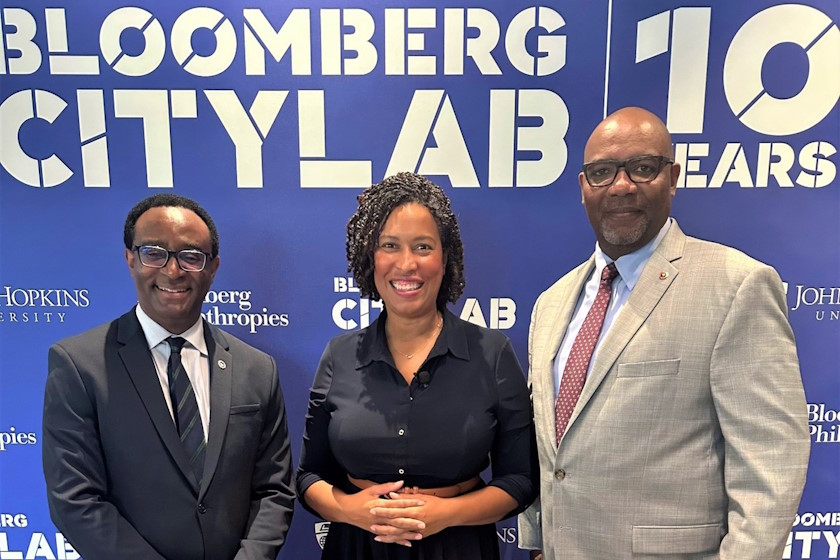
535 554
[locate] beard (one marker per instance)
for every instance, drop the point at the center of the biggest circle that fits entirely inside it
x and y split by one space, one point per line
629 235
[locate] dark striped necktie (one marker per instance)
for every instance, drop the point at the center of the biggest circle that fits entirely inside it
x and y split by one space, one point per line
185 407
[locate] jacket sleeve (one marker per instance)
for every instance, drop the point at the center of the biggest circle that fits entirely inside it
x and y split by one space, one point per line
272 495
74 470
529 522
758 396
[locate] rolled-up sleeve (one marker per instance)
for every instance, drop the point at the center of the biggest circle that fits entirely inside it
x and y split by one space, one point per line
316 458
514 456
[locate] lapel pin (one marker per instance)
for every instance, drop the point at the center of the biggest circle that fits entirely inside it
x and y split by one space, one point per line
221 364
663 275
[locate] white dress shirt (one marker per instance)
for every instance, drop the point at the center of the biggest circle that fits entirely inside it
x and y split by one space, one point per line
194 358
629 269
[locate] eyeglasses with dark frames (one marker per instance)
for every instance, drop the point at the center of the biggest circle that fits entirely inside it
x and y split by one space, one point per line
190 260
640 169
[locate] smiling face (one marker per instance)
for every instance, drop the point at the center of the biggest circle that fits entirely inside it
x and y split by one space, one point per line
409 262
169 295
626 215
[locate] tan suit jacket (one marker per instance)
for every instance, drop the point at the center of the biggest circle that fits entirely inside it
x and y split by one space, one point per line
690 439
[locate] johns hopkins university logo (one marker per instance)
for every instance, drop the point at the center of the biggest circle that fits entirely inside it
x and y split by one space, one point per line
25 304
821 302
321 531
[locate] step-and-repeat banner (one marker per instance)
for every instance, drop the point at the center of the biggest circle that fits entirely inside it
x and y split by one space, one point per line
274 115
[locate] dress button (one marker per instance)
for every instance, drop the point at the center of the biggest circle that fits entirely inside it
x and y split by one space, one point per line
202 508
401 432
401 471
559 474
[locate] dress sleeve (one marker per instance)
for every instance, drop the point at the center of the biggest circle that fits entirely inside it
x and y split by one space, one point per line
317 461
513 457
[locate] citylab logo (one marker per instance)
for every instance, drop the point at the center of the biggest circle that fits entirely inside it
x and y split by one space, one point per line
822 301
767 108
501 312
242 315
814 536
13 520
343 43
352 312
39 305
823 423
14 437
39 547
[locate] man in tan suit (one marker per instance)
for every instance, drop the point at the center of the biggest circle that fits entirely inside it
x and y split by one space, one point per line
684 435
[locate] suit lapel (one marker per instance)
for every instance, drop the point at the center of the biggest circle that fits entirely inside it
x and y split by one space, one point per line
137 359
656 278
221 368
559 310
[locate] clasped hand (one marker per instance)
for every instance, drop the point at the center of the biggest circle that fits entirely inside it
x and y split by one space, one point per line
396 519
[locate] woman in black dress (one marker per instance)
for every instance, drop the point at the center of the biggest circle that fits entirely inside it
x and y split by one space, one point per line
405 414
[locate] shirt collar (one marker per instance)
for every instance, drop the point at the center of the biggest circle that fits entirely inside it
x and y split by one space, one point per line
630 266
374 344
155 334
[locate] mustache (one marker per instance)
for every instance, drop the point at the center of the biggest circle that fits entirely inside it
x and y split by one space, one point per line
620 207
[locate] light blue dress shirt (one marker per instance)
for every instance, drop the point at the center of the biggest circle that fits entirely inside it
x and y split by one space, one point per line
629 269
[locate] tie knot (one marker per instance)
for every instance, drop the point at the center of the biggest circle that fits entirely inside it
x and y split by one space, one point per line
175 344
609 273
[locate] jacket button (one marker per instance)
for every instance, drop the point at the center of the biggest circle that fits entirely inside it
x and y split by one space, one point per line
202 508
559 474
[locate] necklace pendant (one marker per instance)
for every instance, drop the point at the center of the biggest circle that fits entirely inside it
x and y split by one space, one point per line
409 356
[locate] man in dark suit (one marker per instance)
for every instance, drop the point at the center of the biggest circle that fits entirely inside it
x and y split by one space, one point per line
128 477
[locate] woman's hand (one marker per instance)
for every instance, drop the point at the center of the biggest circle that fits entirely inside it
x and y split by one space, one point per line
433 514
386 518
481 507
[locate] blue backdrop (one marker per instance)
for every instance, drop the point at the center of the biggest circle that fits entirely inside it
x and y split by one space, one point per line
275 115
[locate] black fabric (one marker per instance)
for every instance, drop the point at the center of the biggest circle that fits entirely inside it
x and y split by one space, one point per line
474 412
185 408
346 542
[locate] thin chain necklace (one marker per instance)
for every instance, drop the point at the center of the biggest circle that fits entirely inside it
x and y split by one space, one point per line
426 343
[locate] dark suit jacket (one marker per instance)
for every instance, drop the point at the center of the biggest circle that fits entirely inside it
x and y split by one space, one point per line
118 480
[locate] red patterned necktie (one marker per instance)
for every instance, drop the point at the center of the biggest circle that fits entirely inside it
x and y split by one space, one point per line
574 374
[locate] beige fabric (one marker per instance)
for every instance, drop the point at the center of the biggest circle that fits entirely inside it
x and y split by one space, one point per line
690 439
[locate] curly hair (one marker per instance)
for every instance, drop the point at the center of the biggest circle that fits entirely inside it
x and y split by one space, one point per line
376 204
169 200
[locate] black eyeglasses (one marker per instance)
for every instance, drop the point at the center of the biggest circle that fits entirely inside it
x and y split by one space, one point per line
640 169
190 260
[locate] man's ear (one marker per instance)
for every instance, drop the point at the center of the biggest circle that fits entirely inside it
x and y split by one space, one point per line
129 258
213 266
581 181
675 175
